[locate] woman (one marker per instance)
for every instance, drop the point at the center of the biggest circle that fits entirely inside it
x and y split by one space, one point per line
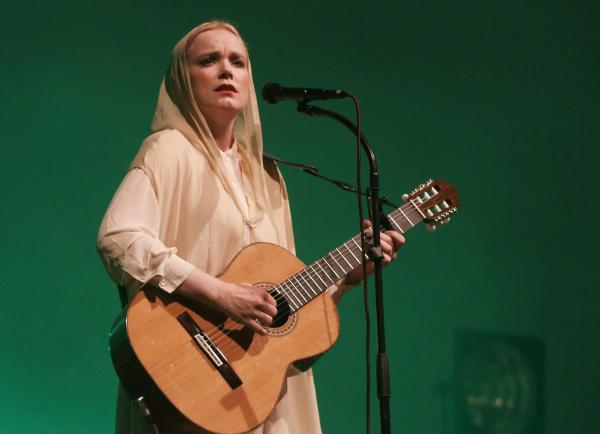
196 193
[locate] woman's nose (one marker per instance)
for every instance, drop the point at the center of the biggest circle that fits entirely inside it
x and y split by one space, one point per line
226 71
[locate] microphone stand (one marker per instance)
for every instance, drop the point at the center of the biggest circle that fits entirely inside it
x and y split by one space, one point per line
383 373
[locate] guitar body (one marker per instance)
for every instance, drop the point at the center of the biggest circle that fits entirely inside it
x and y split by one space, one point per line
194 371
158 359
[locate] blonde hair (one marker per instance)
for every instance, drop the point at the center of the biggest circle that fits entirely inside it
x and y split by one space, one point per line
212 25
177 109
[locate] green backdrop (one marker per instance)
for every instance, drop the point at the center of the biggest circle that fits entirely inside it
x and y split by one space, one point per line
499 98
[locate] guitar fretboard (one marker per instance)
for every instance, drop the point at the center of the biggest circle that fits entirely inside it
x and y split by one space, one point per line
311 281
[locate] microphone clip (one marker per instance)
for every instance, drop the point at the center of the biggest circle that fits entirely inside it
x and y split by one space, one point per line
303 107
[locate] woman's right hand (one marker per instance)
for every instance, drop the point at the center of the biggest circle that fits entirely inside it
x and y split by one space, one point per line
248 305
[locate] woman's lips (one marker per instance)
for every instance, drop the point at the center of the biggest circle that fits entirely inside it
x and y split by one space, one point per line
226 88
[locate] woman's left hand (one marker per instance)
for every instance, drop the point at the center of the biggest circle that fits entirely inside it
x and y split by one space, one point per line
391 241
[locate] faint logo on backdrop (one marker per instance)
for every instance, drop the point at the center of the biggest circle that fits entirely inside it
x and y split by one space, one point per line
498 383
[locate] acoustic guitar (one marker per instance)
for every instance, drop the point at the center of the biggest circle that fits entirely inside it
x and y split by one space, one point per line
192 370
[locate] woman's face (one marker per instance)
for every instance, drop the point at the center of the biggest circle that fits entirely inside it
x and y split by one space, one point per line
218 68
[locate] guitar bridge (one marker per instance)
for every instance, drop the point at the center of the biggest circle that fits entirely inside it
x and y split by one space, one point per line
210 350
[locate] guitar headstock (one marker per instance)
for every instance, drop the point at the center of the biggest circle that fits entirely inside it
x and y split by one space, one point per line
436 200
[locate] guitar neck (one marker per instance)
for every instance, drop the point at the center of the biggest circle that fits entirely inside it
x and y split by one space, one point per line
311 281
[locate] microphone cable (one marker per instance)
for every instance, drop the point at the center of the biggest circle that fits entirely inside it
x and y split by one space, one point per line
363 245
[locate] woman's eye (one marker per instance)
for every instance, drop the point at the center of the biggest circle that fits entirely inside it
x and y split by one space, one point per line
207 61
238 62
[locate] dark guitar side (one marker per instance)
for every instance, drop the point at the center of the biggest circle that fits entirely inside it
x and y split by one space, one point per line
155 357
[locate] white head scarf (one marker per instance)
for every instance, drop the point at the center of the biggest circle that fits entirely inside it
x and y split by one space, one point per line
177 109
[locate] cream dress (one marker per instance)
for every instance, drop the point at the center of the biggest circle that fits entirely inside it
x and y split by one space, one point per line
170 214
184 204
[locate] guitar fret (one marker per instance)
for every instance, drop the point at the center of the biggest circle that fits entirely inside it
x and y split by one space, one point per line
296 305
396 226
319 275
364 255
308 284
335 277
303 291
324 272
344 258
291 302
319 289
287 295
292 291
357 245
418 209
350 250
406 217
332 269
297 293
298 286
356 252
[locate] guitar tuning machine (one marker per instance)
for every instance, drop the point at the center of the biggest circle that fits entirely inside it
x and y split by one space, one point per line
422 186
445 216
405 197
431 227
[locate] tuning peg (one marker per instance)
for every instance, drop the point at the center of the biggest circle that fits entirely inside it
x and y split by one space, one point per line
431 227
405 197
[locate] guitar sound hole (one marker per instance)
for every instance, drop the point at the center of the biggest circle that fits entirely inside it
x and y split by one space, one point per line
283 308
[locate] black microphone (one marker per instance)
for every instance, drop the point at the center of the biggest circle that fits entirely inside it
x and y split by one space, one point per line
273 93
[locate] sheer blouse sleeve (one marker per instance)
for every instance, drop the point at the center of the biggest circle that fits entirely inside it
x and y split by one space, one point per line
128 241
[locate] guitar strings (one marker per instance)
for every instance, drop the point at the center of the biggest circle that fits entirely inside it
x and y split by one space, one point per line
233 348
293 288
336 254
310 271
216 335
